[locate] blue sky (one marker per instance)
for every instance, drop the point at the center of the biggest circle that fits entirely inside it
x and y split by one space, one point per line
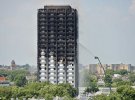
106 28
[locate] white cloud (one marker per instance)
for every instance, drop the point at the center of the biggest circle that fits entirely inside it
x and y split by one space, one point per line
132 7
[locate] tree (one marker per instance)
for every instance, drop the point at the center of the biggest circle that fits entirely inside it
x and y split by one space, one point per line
116 82
20 80
92 88
45 90
132 77
100 97
4 73
13 74
123 72
108 80
109 72
126 92
114 96
120 83
5 92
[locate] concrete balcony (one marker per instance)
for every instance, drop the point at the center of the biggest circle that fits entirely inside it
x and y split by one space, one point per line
42 53
70 24
43 71
70 75
52 40
70 79
70 37
69 66
51 62
61 71
61 75
42 19
52 75
52 19
70 15
42 62
42 15
70 70
52 70
42 58
42 79
70 19
51 58
52 79
42 24
43 37
52 36
70 40
71 83
70 54
42 75
42 66
61 41
52 66
70 49
61 82
61 15
61 67
61 79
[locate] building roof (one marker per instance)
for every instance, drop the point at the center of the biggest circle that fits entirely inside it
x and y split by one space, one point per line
2 78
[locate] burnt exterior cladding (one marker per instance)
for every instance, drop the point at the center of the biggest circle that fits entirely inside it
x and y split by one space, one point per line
58 45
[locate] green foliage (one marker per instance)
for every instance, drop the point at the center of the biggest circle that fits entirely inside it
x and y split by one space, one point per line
116 82
109 72
100 97
5 92
92 88
121 72
124 83
12 74
17 76
20 80
45 90
114 96
108 80
126 92
123 93
67 98
48 97
132 77
70 91
15 73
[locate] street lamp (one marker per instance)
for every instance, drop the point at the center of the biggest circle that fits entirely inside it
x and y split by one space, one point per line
103 69
100 64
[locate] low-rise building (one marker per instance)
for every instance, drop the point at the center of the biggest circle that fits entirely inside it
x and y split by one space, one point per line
97 68
3 81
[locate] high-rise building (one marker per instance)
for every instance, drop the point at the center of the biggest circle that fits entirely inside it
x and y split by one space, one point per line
57 57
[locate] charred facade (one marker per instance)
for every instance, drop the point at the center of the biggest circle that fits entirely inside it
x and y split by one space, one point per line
57 57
